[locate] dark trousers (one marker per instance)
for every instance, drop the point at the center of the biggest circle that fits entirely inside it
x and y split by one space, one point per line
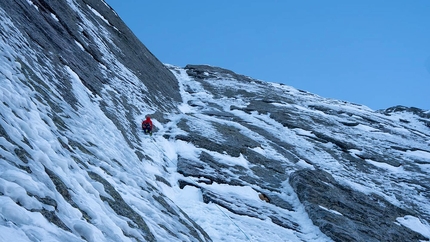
147 131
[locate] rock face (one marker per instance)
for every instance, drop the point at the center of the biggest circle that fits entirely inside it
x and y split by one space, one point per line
87 37
348 215
265 162
347 164
69 72
91 39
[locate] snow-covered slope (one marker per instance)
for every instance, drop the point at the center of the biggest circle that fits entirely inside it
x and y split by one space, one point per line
74 85
232 158
324 165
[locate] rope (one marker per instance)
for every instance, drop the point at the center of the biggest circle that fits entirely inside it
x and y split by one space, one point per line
233 222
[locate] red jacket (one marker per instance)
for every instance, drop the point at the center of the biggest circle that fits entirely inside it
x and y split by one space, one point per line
147 121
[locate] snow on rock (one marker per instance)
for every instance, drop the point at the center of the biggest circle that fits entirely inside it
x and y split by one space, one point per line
415 224
231 159
353 143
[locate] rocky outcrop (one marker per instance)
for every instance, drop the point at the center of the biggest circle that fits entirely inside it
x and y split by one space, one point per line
283 163
70 71
349 215
312 140
92 41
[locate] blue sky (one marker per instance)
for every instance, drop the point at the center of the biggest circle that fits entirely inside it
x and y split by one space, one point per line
375 53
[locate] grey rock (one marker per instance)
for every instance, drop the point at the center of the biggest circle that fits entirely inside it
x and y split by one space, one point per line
296 151
348 215
340 212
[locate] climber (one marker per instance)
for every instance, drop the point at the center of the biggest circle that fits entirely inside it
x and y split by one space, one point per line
147 125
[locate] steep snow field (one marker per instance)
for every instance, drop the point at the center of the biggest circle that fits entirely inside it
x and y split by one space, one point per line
218 222
26 122
215 219
74 165
67 172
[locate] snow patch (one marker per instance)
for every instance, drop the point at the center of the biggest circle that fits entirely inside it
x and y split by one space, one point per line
79 45
32 4
231 161
331 210
259 150
385 166
54 17
101 17
283 105
419 154
366 128
304 164
185 108
354 152
415 224
303 132
190 193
